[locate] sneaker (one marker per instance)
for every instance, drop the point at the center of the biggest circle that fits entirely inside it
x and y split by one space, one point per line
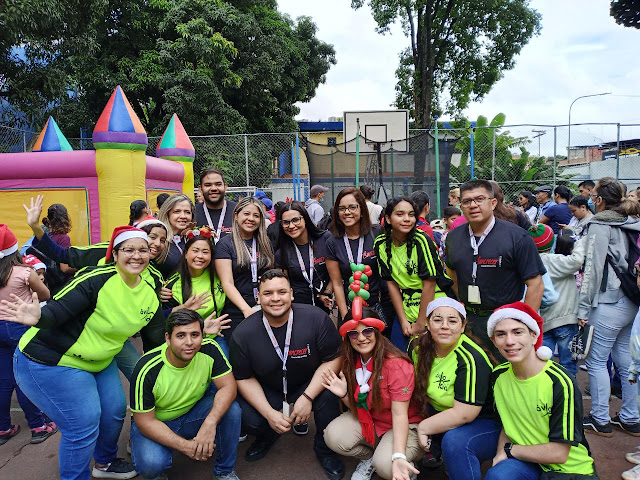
227 476
633 457
301 429
591 426
630 428
581 342
633 474
40 434
364 470
119 468
429 461
583 367
242 437
5 435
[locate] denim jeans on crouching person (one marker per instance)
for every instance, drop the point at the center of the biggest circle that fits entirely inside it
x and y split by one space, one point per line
127 358
152 459
514 469
562 336
612 324
88 408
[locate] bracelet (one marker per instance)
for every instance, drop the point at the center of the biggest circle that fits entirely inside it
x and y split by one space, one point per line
345 395
397 456
304 394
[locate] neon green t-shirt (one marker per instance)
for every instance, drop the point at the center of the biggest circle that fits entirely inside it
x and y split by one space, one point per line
541 409
172 391
200 285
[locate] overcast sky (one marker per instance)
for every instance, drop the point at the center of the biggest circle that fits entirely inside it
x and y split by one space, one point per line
580 51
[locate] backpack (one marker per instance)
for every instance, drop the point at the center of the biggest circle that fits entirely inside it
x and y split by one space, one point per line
324 222
628 276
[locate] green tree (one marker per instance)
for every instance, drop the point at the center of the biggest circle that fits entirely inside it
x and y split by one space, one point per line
626 12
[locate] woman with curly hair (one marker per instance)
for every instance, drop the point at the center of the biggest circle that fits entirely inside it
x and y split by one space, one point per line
409 263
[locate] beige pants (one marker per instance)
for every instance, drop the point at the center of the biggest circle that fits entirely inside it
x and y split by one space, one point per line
344 436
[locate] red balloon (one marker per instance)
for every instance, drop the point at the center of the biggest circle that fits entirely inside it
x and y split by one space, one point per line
356 308
355 287
366 287
368 271
357 275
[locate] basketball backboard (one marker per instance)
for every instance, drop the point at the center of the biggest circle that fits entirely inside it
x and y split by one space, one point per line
376 127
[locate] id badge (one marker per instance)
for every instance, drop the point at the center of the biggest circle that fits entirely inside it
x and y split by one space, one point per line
473 294
285 409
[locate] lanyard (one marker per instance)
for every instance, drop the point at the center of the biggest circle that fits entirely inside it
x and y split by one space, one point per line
176 241
284 356
216 233
476 246
347 246
308 278
253 253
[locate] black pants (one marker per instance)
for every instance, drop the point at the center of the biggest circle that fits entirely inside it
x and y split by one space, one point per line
235 315
325 408
478 327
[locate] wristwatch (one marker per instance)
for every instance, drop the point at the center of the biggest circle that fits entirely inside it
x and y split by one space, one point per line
507 449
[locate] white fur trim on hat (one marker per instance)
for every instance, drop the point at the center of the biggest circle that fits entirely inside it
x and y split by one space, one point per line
8 251
128 235
514 313
150 221
446 302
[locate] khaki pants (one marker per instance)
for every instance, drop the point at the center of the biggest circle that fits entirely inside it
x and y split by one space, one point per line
344 436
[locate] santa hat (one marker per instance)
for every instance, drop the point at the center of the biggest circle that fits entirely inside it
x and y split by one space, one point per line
521 312
353 324
150 221
542 236
8 241
121 234
34 262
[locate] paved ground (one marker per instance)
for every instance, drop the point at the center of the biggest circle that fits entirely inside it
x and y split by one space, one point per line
291 458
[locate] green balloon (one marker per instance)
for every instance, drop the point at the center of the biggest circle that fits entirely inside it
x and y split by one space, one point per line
352 294
353 266
351 280
364 294
361 267
364 279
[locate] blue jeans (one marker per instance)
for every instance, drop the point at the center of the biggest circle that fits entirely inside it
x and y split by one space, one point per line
612 332
88 408
152 459
127 358
562 336
466 447
10 334
514 469
397 337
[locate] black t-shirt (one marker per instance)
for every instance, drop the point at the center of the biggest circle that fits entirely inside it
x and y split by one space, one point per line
201 219
288 260
336 251
314 340
241 275
170 264
506 258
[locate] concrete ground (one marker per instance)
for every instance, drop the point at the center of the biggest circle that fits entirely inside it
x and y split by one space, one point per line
291 458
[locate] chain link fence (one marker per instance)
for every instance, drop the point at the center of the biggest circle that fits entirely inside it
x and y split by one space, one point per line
519 157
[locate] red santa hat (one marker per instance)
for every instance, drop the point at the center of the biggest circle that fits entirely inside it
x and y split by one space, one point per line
121 234
34 262
8 241
521 312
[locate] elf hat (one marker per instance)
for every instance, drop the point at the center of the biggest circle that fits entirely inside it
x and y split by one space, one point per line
353 324
8 241
121 234
34 262
521 312
542 236
150 221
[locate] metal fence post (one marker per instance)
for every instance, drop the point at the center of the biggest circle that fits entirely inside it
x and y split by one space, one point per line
437 152
618 155
493 153
472 160
393 176
246 158
555 156
333 180
24 141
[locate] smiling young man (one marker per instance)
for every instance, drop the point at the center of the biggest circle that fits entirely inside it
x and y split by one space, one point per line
215 211
539 403
278 356
491 260
182 398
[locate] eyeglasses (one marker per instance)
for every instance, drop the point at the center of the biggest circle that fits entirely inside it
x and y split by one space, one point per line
481 200
352 208
131 252
294 221
354 334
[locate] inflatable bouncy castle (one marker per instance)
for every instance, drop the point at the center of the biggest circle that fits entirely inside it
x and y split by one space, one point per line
98 185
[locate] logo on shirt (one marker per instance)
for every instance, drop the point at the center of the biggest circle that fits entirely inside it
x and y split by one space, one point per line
372 253
442 381
146 314
319 260
544 409
405 390
300 352
490 262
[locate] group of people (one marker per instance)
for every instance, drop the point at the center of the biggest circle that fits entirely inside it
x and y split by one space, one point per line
449 361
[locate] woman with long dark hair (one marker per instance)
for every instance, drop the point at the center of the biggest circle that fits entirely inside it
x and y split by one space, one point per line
408 261
529 205
453 389
505 212
137 211
376 384
301 254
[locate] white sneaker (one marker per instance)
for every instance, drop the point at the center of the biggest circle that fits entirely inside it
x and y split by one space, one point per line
633 457
364 470
229 476
633 474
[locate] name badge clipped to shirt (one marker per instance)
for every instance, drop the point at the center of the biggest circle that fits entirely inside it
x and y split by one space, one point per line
473 294
285 409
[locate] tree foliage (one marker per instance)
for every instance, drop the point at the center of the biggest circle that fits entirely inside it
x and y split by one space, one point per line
223 66
626 12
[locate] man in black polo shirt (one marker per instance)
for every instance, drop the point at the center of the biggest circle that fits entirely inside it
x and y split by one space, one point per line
491 260
215 211
305 337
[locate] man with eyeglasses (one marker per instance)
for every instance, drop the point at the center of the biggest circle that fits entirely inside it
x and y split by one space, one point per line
278 355
491 261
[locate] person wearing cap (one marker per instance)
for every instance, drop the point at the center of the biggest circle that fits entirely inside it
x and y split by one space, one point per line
558 214
539 403
453 390
316 196
215 212
37 264
543 197
17 277
376 385
277 356
65 362
268 206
